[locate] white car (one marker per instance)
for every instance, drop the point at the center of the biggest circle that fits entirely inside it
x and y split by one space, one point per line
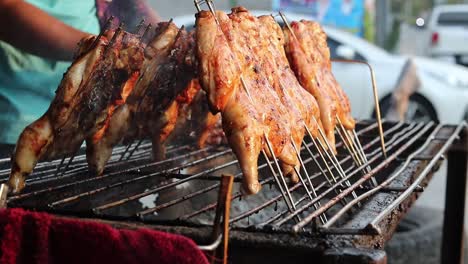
448 29
442 95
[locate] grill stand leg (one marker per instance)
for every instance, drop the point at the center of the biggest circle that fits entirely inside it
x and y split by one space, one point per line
354 256
453 230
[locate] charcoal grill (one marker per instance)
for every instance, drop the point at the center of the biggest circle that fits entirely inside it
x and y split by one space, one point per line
180 195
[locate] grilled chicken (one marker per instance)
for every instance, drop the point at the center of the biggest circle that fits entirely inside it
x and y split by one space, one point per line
197 123
308 73
310 58
81 106
255 34
294 97
344 112
174 91
122 124
153 108
251 109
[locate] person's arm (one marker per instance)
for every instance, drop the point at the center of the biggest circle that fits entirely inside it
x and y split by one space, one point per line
33 30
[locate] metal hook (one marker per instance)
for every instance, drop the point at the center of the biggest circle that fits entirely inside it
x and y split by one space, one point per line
376 100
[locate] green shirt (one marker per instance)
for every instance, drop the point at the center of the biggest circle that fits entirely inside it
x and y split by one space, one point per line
28 82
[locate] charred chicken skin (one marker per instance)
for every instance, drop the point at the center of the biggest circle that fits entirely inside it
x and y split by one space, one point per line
81 106
173 92
153 107
122 124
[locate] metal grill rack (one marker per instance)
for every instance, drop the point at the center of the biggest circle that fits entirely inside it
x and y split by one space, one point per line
188 181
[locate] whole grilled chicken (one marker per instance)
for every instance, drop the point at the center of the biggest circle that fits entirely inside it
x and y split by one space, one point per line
122 124
81 105
154 106
174 90
301 52
309 56
292 94
251 111
340 96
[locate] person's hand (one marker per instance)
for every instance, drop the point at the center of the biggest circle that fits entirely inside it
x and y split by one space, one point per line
27 27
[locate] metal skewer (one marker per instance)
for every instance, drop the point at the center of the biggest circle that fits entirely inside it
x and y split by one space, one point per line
333 179
331 156
103 30
145 32
125 151
323 218
376 101
348 143
135 148
59 166
139 26
68 163
117 32
282 180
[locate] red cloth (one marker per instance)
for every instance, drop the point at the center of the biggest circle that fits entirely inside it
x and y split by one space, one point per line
30 237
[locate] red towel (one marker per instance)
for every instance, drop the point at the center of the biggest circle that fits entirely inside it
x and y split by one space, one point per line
30 237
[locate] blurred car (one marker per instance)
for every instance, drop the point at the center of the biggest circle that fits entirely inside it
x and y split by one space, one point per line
448 28
442 94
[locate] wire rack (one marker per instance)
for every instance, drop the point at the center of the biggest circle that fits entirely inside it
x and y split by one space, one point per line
183 188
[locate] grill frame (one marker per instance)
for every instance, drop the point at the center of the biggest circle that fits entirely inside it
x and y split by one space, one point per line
316 241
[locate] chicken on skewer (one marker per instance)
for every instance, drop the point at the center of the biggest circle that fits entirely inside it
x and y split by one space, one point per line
309 55
308 73
81 105
195 121
250 110
122 124
320 39
173 93
256 36
292 94
267 102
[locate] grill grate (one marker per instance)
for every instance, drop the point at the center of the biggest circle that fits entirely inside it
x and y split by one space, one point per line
182 190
